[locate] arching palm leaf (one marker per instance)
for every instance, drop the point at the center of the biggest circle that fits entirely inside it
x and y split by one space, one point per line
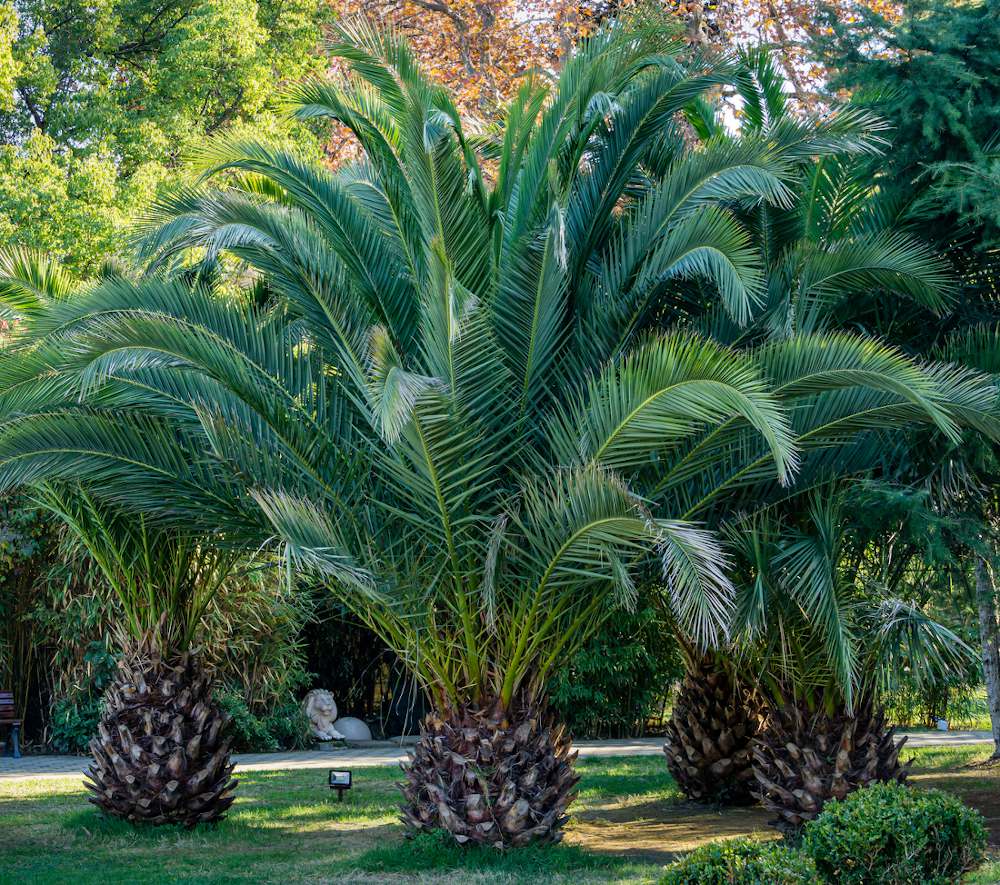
460 408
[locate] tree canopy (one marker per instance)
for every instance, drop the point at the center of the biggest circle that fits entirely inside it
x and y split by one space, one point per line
102 101
932 73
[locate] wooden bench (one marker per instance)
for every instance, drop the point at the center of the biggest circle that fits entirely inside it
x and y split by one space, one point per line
8 717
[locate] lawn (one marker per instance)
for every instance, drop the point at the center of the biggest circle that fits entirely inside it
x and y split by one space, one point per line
285 827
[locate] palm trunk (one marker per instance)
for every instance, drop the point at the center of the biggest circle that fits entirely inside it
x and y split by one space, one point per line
161 755
989 635
805 757
710 734
490 775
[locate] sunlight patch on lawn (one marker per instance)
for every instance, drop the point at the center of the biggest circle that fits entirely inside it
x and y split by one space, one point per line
287 827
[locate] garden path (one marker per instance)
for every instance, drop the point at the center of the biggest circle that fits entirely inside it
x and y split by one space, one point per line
392 752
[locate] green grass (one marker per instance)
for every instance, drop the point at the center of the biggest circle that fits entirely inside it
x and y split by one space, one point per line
987 874
941 758
286 827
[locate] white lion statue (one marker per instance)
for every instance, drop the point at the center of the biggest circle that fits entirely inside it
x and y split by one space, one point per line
321 709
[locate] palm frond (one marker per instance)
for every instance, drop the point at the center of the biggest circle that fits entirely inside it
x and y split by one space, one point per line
28 279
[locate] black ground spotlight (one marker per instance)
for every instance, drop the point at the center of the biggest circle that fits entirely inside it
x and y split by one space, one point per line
340 781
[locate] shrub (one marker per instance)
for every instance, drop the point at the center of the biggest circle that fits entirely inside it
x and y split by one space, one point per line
742 862
888 834
283 727
289 726
73 722
75 712
619 679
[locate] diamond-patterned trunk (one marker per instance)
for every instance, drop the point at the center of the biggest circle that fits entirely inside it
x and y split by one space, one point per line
161 754
803 759
708 738
490 777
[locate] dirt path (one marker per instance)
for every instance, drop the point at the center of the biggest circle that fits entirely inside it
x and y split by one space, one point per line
643 830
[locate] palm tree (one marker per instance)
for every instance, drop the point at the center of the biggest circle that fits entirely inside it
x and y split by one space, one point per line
715 717
451 392
161 754
971 490
844 258
823 649
836 258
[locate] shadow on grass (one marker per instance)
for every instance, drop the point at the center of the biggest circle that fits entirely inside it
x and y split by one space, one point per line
242 822
302 820
439 852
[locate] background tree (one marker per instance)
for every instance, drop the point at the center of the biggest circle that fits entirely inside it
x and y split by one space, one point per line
482 50
930 72
618 685
104 101
26 553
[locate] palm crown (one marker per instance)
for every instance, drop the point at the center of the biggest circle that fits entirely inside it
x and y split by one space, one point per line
836 255
460 388
458 402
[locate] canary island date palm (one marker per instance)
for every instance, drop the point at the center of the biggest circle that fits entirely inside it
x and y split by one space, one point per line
833 256
823 650
840 257
452 393
161 753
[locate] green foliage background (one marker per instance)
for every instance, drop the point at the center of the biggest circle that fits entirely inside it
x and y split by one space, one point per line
100 103
619 682
935 79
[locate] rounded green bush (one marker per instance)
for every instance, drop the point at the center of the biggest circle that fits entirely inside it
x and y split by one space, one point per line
889 834
742 862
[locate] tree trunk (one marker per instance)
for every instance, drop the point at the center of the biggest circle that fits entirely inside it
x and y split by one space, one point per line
490 776
710 733
697 35
161 755
989 634
804 757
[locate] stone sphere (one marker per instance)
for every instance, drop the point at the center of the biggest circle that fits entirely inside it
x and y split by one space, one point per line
353 729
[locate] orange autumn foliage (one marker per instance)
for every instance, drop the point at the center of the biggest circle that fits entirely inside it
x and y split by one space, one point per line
482 48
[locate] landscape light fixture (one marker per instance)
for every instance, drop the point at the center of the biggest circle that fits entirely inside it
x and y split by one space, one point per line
340 781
